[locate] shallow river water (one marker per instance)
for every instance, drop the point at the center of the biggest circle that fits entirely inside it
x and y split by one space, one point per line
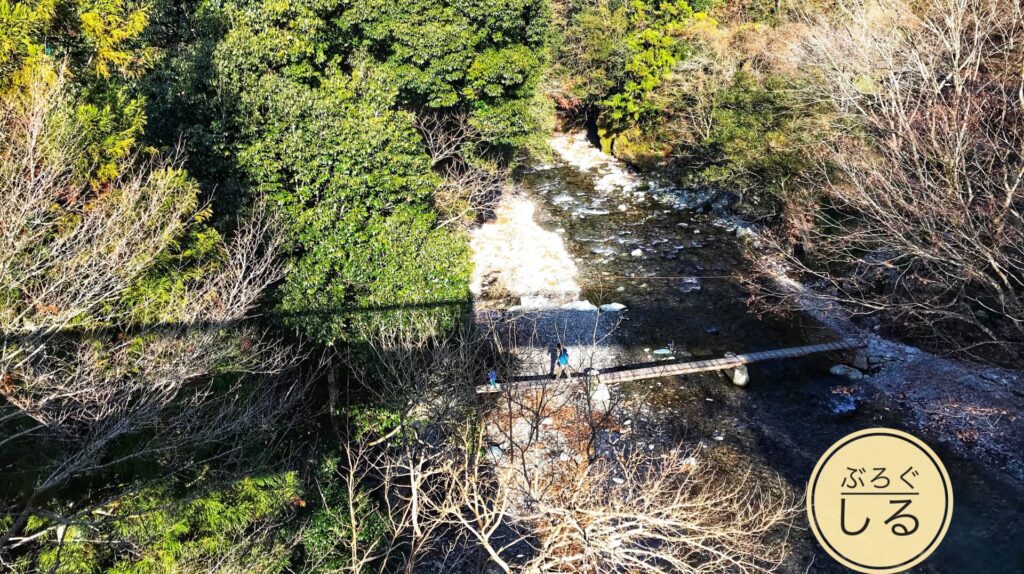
680 294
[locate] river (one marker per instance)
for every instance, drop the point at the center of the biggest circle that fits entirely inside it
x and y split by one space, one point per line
636 241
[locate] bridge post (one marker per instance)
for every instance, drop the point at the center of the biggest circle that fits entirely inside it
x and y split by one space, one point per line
859 359
600 396
739 376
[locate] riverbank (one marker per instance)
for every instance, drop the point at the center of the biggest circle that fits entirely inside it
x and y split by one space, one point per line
976 409
634 240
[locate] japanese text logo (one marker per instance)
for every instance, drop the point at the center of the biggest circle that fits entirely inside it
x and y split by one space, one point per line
879 501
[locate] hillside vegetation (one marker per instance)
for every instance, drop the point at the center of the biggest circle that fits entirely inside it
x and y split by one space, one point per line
234 258
879 141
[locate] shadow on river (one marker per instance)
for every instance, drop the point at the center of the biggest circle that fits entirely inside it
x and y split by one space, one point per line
783 421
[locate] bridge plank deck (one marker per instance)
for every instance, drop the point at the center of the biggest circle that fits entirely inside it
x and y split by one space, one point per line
628 373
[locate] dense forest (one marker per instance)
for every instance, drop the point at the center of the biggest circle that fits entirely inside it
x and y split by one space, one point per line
235 261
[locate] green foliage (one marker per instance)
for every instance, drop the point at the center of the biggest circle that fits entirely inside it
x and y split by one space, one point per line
21 24
162 296
320 88
110 125
601 31
74 556
98 38
653 50
172 529
478 54
109 30
96 44
617 53
146 214
328 536
172 524
441 54
354 184
758 139
766 11
495 73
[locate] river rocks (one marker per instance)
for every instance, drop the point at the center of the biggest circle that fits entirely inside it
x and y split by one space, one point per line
998 378
689 244
579 306
612 307
880 358
845 399
859 360
521 431
637 253
846 372
688 285
724 203
842 405
744 233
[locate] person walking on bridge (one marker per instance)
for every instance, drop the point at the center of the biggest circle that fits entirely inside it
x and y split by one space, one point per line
562 363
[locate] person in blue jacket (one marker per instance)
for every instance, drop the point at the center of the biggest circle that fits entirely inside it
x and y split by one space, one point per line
562 363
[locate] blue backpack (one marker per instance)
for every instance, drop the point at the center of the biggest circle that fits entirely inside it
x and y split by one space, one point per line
563 359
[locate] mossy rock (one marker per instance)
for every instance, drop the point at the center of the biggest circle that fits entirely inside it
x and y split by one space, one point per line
638 148
607 139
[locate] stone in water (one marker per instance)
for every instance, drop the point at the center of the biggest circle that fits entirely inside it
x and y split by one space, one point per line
579 306
847 372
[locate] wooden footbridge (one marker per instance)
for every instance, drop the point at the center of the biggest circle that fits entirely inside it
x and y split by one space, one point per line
626 373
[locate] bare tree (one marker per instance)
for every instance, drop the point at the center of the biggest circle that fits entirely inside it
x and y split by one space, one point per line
921 217
79 371
470 186
646 513
450 493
